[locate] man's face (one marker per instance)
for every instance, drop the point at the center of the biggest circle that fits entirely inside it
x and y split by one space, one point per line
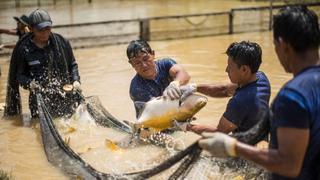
233 71
144 64
43 34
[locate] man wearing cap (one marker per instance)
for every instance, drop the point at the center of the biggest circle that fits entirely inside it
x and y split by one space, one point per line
154 78
42 62
22 29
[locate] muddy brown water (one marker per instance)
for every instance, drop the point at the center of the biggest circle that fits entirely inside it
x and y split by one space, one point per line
106 74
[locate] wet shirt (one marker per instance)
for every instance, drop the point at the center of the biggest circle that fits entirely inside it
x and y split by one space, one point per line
249 104
142 90
297 105
52 67
38 63
20 33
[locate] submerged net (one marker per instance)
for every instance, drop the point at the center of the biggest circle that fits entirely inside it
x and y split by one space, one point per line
72 163
182 164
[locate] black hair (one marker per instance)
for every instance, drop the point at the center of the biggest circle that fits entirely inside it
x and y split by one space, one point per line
298 26
137 46
245 53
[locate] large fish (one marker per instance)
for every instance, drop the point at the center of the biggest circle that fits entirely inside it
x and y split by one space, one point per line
61 155
160 113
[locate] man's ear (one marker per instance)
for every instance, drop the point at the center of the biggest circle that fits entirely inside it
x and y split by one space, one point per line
286 47
244 68
152 52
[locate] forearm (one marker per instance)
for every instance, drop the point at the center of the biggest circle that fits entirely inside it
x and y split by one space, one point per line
183 77
8 31
225 90
9 46
201 128
270 159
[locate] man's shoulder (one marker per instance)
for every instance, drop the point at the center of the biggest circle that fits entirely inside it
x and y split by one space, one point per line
262 77
135 82
308 77
24 45
165 60
59 37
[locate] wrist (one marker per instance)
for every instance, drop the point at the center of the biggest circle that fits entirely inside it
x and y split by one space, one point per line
194 86
175 82
230 145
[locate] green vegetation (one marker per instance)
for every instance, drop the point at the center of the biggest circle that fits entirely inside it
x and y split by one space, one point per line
5 175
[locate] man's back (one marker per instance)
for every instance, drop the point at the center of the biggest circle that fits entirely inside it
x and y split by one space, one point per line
249 104
298 106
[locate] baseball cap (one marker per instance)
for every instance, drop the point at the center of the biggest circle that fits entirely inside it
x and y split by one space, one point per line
23 19
40 19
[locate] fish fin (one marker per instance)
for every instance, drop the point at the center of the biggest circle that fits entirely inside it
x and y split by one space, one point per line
140 107
135 127
182 126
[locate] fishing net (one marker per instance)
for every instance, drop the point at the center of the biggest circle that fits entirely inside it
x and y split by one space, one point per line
61 155
75 166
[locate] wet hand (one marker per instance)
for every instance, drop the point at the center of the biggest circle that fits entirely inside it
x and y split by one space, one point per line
196 128
187 90
218 144
76 86
172 91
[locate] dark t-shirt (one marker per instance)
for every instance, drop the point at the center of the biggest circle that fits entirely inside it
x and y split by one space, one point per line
297 105
249 104
142 90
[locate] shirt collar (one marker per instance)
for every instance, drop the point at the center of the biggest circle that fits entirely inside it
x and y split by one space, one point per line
34 47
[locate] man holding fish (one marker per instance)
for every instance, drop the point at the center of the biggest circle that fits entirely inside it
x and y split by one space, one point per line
294 149
162 77
250 91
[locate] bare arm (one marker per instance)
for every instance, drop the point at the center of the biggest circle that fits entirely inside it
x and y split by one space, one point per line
224 126
8 31
178 73
223 90
9 46
287 159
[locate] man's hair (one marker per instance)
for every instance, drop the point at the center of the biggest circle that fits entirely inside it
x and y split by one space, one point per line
245 53
298 26
137 46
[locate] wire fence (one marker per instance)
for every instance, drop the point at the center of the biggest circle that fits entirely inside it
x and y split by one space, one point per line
172 27
238 20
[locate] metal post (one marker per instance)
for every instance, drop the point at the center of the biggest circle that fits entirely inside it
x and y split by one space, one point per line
144 29
38 3
271 15
89 1
54 2
231 22
17 3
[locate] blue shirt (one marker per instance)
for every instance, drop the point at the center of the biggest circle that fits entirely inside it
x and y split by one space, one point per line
249 104
142 90
297 105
